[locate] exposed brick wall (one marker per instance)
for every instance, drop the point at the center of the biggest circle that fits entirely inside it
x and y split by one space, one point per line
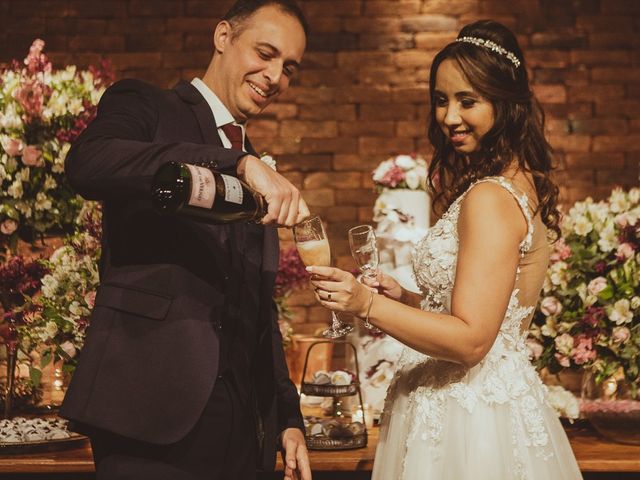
362 94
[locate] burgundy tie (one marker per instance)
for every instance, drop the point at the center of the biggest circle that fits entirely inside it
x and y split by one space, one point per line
234 134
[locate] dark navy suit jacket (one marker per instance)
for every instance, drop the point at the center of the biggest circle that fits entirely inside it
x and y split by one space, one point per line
168 284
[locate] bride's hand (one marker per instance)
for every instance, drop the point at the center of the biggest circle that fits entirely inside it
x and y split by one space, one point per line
339 291
384 285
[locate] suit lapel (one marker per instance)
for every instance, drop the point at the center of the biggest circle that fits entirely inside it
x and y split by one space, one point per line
200 108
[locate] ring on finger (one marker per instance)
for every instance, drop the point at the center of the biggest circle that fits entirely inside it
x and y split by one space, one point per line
329 297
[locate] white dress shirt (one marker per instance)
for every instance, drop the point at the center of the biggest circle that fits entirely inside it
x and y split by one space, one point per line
220 112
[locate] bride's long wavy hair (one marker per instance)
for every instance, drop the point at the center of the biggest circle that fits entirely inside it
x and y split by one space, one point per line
517 132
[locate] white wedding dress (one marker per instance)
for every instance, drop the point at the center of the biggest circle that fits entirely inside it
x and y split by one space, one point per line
443 421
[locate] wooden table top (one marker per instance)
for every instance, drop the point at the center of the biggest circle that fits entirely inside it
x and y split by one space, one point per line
594 454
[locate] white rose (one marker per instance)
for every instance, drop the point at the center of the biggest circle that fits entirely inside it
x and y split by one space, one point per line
635 303
621 312
405 162
634 195
412 178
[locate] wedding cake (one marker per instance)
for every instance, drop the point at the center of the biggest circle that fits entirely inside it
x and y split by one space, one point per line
401 213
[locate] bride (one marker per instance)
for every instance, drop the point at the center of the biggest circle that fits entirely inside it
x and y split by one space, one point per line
466 402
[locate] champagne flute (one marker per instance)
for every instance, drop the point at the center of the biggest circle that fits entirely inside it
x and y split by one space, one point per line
313 247
362 240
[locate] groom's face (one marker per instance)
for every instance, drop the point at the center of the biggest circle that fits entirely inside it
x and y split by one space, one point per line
258 58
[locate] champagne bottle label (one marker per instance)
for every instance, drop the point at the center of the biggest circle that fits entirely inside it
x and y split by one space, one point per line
233 192
203 187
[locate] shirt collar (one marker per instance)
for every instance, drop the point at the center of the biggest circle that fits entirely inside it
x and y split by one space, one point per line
221 114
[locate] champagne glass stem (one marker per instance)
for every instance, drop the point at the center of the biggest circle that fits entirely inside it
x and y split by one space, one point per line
372 275
337 329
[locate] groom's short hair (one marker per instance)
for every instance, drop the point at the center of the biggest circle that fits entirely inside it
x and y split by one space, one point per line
243 9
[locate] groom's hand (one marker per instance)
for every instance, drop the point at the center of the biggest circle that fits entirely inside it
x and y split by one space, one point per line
295 455
286 207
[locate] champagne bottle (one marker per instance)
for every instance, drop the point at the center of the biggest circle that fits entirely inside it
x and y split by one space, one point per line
205 195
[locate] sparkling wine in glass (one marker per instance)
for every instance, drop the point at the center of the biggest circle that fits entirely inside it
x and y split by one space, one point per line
313 247
362 240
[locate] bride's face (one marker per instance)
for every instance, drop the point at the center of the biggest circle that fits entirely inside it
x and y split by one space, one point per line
463 114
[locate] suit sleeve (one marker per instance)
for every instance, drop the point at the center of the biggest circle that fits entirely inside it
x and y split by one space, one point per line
289 415
116 157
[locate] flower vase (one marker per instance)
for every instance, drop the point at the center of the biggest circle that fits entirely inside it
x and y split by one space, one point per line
54 384
612 406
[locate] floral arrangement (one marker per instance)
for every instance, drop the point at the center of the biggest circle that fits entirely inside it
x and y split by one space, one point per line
58 317
403 171
291 274
42 111
589 317
19 279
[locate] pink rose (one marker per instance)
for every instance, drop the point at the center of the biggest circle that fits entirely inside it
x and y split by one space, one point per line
550 306
90 299
625 251
562 360
597 285
535 349
32 156
8 226
620 334
561 251
583 351
12 146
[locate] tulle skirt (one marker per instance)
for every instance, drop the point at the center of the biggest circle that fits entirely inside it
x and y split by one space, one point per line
433 433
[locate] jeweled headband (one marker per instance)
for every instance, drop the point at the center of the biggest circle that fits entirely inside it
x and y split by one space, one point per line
494 47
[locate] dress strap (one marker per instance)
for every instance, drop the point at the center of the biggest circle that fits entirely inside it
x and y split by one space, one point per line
523 202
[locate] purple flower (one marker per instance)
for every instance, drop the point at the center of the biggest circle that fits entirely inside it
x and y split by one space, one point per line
18 278
593 316
600 267
291 272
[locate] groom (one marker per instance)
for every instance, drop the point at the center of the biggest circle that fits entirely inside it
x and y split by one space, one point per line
182 375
